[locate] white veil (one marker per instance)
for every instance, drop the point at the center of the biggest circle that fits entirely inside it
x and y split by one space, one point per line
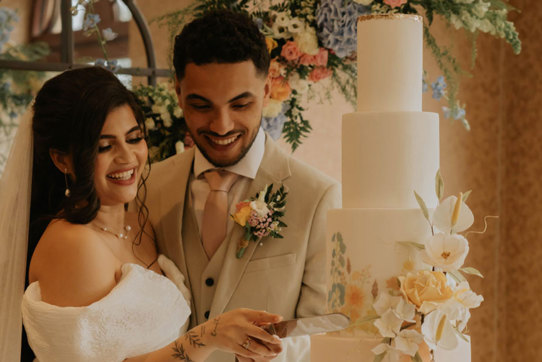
15 192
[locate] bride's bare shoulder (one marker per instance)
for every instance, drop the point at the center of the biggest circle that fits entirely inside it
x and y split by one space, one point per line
72 264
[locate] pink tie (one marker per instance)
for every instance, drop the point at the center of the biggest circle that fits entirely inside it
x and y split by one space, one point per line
215 212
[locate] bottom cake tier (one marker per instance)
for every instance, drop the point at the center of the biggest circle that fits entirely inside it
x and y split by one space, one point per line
330 348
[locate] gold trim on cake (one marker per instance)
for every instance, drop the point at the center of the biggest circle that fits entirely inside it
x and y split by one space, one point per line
392 16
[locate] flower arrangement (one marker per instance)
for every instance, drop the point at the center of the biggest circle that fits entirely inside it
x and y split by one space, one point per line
430 304
166 129
17 88
260 216
91 27
313 43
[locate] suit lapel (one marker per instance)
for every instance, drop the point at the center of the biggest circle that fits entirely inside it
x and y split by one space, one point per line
174 200
273 169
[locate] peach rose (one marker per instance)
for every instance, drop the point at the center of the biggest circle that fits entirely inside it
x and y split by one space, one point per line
242 214
395 3
425 286
319 73
280 89
290 51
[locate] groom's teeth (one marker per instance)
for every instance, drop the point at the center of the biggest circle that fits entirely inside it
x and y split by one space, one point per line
224 142
122 175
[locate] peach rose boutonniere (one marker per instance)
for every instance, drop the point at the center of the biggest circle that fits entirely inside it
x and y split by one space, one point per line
260 216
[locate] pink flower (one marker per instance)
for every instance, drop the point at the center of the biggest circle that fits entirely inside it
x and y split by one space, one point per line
290 51
395 3
320 59
319 73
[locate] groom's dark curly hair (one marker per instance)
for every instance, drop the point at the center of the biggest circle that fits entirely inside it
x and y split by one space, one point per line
220 36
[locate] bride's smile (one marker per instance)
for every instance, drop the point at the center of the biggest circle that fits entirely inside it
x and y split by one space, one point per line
122 153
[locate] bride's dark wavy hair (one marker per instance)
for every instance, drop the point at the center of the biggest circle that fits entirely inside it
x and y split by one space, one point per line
69 114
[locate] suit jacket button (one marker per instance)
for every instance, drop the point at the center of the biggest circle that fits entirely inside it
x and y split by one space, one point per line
206 315
209 282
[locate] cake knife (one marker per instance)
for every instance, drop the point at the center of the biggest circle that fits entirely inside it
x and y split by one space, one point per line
310 325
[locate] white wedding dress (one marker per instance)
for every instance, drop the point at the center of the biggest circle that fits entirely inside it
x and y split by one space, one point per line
144 312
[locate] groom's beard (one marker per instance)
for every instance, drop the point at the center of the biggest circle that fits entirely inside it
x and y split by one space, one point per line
244 150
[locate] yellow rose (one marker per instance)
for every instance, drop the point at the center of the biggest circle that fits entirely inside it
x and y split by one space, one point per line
271 43
425 286
242 215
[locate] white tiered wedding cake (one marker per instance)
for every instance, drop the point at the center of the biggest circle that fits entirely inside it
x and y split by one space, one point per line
390 148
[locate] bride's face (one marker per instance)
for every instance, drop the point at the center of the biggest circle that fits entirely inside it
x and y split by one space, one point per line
122 153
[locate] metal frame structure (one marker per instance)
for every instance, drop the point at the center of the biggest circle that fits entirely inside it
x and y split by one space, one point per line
67 49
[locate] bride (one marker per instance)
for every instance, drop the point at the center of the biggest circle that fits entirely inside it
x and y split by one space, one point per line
98 290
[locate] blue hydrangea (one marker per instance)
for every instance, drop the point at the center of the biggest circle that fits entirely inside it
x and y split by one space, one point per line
438 87
274 126
337 25
91 20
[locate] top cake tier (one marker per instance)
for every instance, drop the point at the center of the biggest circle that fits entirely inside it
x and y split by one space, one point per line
390 56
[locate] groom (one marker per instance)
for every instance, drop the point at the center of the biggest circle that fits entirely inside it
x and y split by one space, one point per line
221 63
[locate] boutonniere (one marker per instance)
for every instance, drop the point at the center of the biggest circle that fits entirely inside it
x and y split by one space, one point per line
260 216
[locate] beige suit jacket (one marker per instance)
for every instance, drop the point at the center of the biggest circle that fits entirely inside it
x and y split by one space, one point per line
284 276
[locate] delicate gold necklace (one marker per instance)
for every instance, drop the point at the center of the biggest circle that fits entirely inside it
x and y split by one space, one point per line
121 235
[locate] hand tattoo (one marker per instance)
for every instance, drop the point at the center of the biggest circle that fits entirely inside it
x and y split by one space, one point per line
213 332
194 339
180 354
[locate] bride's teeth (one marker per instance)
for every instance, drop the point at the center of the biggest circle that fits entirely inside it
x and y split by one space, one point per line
122 175
224 142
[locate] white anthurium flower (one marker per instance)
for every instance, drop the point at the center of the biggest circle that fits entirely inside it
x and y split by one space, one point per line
405 310
388 324
461 324
442 217
438 331
408 341
445 251
466 296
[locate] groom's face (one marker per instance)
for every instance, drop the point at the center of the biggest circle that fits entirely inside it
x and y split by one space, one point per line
222 104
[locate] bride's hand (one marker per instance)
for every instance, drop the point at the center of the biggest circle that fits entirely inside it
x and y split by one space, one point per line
238 331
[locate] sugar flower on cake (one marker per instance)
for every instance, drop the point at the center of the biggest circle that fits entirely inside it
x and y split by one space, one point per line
434 299
446 252
438 331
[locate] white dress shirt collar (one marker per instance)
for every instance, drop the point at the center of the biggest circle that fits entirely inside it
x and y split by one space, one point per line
247 166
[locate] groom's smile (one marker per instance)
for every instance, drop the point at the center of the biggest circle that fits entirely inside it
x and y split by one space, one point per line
222 104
